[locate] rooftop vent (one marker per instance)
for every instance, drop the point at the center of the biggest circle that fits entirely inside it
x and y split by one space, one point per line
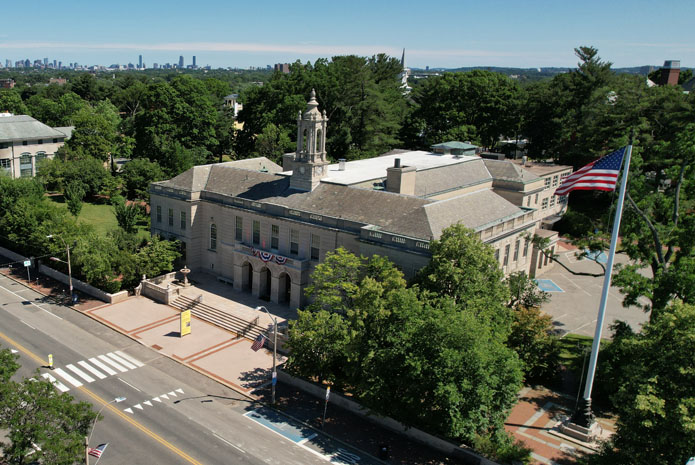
397 163
341 164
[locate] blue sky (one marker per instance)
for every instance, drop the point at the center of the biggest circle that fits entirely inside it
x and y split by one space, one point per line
438 33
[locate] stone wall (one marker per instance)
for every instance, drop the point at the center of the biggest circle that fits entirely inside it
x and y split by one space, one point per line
462 453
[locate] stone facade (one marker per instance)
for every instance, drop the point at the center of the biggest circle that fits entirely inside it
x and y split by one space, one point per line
264 230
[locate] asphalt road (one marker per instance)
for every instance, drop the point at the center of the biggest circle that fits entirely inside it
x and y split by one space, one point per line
171 415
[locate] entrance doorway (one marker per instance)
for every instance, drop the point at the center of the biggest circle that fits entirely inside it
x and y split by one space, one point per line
264 288
285 290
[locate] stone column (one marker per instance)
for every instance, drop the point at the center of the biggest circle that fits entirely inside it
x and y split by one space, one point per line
256 288
296 297
238 277
274 289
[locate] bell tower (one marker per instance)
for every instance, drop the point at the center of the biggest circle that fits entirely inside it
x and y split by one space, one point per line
310 164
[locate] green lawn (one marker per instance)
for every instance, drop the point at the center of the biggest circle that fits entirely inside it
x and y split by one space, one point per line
573 347
100 216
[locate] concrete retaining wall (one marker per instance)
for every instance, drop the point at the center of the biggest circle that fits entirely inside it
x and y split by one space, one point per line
157 293
76 283
464 454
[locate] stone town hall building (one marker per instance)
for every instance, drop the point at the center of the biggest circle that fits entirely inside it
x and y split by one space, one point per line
263 228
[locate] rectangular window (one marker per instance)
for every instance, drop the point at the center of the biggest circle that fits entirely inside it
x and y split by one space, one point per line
239 228
497 255
171 217
562 199
536 200
256 232
555 178
315 246
55 141
213 237
40 141
294 241
525 248
544 204
274 236
506 255
26 166
547 182
6 164
516 250
159 213
183 220
25 142
528 203
552 201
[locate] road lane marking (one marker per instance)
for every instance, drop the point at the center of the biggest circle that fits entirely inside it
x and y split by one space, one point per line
172 393
91 369
129 410
80 373
102 366
147 402
126 382
120 360
157 399
28 324
108 405
129 358
19 346
29 301
67 377
229 443
138 406
55 382
179 390
112 363
142 428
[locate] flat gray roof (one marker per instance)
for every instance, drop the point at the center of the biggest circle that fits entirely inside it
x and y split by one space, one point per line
23 127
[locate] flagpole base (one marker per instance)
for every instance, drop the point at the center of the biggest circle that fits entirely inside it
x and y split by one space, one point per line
582 424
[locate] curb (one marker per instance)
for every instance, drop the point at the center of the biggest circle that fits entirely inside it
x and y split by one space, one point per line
248 396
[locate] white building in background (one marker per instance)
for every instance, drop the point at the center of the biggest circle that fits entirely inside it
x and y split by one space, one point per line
24 142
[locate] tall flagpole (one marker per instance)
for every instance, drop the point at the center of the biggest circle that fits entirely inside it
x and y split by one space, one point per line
585 417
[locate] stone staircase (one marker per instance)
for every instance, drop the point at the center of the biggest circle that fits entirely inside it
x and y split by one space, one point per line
241 327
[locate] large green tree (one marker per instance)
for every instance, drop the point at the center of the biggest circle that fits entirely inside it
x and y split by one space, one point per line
464 269
656 398
48 428
478 106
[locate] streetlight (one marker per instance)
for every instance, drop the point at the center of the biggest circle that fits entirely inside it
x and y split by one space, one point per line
117 400
275 348
67 248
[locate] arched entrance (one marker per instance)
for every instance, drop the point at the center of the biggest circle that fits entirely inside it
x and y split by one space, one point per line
246 277
284 288
264 284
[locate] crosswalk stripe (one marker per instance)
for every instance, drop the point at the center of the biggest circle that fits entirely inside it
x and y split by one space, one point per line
67 377
112 363
91 369
56 383
120 360
129 358
80 373
102 366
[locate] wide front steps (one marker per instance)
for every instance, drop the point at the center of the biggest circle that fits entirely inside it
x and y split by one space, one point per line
241 327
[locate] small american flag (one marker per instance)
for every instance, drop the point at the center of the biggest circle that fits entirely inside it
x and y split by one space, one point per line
600 175
258 343
98 450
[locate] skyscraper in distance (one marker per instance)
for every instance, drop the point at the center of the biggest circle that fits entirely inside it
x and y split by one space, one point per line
194 61
181 61
139 61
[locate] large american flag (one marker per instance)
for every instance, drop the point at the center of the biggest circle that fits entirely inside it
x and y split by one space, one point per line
98 450
600 175
258 343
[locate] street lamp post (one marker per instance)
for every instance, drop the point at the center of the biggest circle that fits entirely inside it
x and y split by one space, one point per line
67 248
88 438
275 348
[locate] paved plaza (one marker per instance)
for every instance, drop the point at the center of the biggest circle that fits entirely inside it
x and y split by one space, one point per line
574 308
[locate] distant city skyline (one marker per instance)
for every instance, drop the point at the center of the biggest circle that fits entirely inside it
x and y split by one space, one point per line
446 33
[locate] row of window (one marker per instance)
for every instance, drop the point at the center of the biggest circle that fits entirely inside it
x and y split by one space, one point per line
555 180
5 145
26 165
293 245
507 249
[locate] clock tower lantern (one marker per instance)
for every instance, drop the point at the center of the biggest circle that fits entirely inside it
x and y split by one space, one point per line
310 164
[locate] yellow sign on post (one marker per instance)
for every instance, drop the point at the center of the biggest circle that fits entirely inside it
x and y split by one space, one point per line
185 323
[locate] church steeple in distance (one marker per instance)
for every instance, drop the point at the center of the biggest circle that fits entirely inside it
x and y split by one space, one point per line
405 73
310 158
